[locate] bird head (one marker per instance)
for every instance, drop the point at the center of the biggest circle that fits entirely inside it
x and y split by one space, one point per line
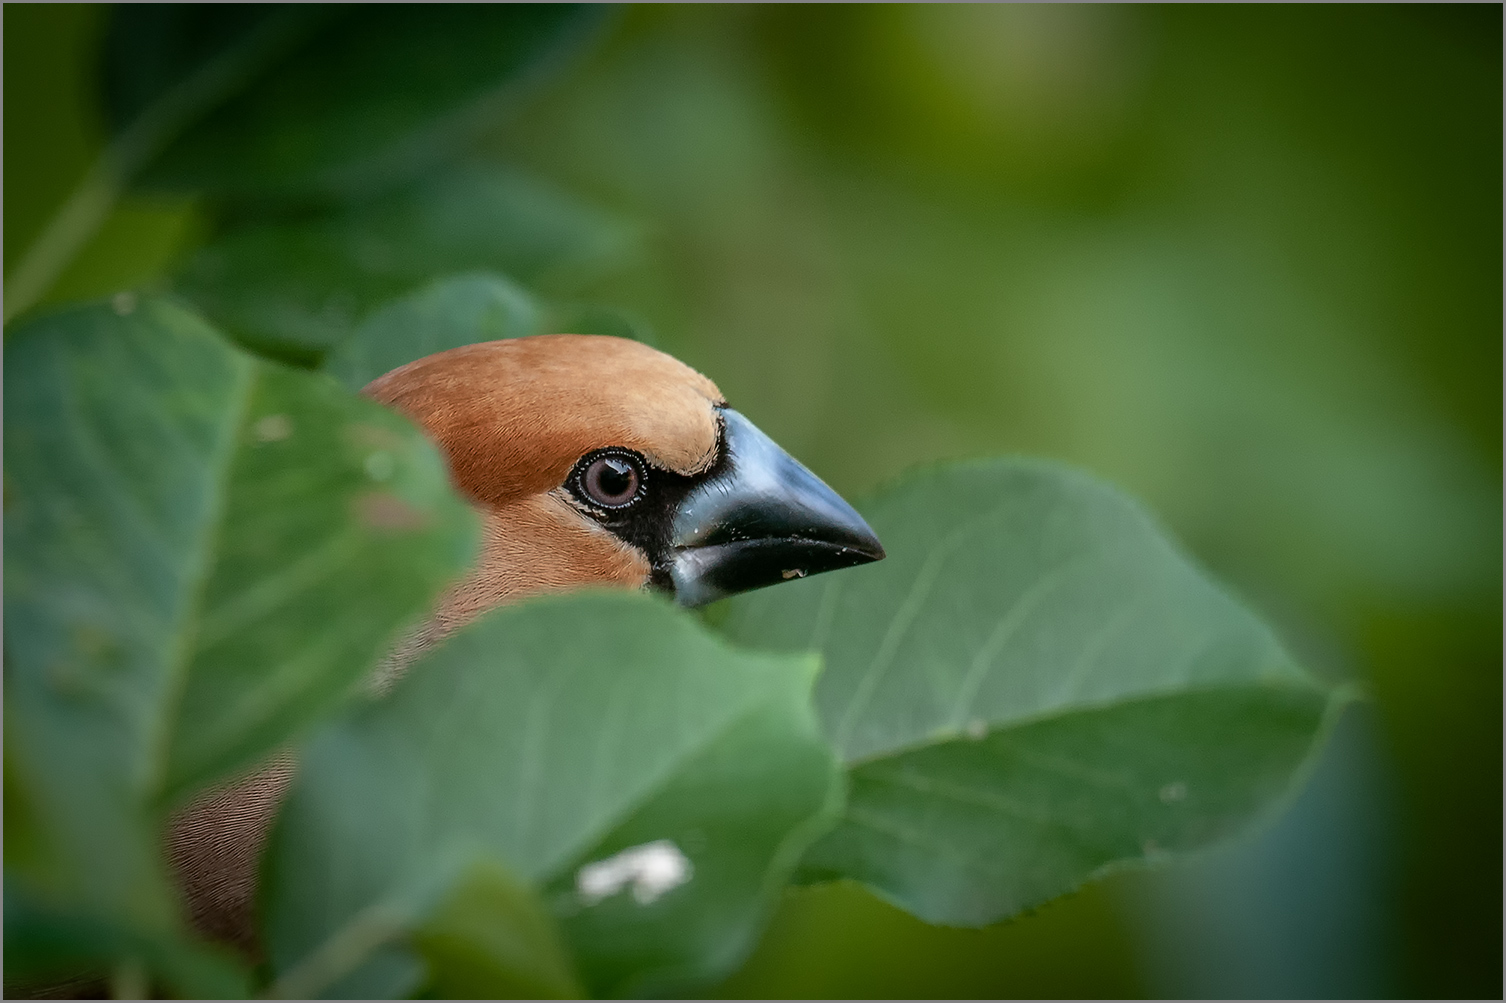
597 460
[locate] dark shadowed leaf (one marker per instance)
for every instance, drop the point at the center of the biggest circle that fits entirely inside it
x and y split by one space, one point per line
444 314
60 947
203 552
657 783
361 95
68 929
301 285
491 939
1033 687
151 50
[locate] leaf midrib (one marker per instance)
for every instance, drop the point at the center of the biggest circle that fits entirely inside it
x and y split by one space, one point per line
203 559
578 848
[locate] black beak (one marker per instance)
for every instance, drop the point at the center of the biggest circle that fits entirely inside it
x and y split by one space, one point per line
761 519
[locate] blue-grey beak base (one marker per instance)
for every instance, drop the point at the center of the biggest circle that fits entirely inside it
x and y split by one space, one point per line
761 520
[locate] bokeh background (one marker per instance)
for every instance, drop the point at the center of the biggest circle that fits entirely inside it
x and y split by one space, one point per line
1243 260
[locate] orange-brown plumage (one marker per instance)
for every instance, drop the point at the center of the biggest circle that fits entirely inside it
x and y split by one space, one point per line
514 416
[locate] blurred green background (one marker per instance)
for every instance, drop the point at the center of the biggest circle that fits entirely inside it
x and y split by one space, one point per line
1244 261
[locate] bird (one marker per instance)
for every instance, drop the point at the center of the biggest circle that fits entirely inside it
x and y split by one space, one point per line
591 461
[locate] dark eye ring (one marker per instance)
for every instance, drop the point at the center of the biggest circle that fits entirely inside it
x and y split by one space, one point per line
612 480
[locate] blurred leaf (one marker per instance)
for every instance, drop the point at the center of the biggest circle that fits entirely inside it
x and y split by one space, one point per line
300 285
542 737
202 553
371 93
445 314
150 49
492 940
51 950
463 310
26 845
594 318
1034 687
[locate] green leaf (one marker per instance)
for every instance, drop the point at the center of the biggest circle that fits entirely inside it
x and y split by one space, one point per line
594 318
50 948
965 833
551 737
1034 687
462 310
193 535
367 94
493 940
301 285
203 553
150 50
445 314
741 810
61 933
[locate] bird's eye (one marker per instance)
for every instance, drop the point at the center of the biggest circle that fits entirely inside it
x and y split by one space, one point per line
612 481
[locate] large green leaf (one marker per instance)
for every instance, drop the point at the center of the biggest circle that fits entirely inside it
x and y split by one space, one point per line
1033 687
356 95
301 285
552 738
203 552
445 314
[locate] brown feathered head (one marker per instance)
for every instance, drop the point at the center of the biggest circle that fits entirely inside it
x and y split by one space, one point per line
597 460
592 461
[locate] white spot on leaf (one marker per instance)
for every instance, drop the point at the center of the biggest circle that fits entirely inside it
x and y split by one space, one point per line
977 728
123 303
1173 792
651 869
